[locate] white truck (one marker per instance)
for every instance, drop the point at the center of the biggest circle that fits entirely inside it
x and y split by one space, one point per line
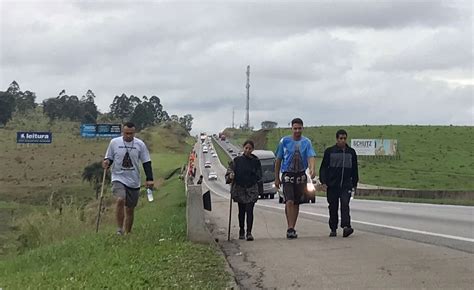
267 159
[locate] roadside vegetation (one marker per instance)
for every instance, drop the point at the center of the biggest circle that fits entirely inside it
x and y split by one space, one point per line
47 214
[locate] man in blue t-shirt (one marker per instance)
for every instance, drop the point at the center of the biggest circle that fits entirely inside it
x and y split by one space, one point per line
294 155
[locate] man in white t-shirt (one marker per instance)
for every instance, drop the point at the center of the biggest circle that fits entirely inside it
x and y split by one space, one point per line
124 155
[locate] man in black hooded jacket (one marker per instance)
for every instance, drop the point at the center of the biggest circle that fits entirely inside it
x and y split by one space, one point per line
339 175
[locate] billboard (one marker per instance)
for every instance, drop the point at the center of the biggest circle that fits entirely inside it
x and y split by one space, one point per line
34 137
375 147
101 130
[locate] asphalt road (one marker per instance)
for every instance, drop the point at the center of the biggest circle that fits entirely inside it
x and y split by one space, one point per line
446 225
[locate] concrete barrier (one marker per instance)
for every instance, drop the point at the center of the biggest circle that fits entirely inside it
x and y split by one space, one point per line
196 227
429 194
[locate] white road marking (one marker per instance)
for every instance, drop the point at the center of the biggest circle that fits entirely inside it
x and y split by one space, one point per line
359 222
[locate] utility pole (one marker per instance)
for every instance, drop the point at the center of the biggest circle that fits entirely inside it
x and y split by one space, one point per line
247 119
233 115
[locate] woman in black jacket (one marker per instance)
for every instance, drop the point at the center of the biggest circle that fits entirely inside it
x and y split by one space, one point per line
245 174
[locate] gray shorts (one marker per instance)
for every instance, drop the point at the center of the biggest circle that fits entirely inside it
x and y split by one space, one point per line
130 195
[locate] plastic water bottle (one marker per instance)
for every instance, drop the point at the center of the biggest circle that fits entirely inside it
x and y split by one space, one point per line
149 194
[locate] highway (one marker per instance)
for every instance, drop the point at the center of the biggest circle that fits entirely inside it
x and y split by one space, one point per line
446 225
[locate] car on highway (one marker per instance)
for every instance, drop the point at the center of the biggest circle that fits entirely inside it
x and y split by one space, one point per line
214 155
212 176
230 150
204 149
207 164
234 154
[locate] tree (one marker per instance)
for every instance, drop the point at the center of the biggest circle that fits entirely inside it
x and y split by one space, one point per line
70 107
174 118
165 117
157 109
269 124
13 89
186 122
93 173
88 107
89 97
122 107
7 107
143 115
25 101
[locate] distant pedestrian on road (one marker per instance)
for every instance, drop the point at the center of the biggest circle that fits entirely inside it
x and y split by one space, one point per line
244 173
124 154
339 176
295 154
200 179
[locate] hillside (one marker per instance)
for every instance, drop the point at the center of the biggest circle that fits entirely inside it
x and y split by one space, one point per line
46 176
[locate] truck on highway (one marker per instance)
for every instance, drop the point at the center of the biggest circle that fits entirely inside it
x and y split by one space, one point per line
203 137
222 136
267 159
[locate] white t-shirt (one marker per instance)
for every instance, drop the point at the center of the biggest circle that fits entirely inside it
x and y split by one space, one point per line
125 167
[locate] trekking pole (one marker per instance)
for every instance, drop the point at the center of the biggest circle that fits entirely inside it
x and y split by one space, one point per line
230 218
100 200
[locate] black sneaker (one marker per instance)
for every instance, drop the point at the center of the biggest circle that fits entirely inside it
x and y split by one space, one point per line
291 234
249 237
333 234
347 232
242 234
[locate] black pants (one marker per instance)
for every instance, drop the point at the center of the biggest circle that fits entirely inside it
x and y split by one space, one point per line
334 194
246 208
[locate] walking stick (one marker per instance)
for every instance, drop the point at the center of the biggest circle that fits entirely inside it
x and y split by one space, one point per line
230 218
100 201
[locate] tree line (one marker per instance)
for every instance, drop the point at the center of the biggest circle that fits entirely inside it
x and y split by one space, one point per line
143 112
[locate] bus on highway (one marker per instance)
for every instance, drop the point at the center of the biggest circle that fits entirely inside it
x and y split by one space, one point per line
267 159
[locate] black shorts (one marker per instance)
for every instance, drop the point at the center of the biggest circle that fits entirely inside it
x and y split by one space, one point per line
130 195
294 186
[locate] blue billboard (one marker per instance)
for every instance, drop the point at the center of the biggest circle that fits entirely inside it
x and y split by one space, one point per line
101 130
34 137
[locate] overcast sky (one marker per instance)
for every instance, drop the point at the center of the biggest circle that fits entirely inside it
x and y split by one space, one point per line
328 62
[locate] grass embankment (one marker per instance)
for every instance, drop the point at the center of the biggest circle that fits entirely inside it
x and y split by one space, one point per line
156 254
46 249
432 157
221 154
238 137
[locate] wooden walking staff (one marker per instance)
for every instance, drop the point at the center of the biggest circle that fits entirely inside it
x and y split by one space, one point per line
230 202
230 218
100 201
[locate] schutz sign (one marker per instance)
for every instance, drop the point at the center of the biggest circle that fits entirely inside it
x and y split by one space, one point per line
363 146
34 137
375 147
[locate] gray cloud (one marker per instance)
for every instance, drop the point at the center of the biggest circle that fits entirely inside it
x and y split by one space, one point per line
342 62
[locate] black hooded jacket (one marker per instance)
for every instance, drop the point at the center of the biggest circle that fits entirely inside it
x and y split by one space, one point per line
339 167
247 170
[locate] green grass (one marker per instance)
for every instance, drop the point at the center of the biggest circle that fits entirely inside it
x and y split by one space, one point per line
156 254
237 136
221 154
432 157
43 248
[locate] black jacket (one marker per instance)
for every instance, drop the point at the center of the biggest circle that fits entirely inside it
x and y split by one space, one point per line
247 170
339 167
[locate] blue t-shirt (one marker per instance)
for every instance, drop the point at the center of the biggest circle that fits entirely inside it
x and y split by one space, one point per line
294 154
